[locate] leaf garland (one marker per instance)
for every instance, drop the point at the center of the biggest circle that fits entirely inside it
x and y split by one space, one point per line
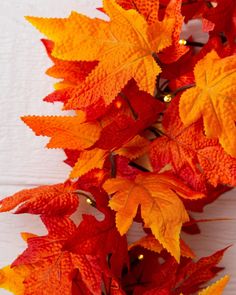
152 138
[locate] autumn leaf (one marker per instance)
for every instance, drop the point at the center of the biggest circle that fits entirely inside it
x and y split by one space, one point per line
158 196
100 237
57 199
87 161
12 278
221 18
186 148
158 274
127 37
216 288
212 99
193 274
65 132
149 242
72 72
54 266
149 9
135 148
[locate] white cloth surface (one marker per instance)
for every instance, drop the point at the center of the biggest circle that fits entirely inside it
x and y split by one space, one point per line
24 162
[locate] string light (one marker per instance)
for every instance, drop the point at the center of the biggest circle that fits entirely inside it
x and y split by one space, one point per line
182 42
89 201
118 104
140 257
167 98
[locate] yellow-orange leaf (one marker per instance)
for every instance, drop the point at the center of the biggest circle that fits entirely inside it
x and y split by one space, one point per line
135 148
161 208
87 161
11 278
213 99
124 47
217 288
65 132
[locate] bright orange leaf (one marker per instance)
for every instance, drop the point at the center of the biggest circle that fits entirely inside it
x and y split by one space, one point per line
161 208
87 161
11 278
217 288
65 132
124 46
213 99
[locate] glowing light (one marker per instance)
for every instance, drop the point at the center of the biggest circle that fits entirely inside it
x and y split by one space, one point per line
182 42
167 98
140 257
89 201
118 104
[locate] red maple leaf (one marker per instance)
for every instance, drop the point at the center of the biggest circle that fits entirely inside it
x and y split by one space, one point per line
192 155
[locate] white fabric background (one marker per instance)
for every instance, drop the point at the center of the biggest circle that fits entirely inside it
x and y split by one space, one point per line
24 162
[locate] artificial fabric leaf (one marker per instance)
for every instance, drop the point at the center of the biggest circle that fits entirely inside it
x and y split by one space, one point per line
221 18
158 196
139 111
54 266
57 199
135 148
192 10
149 242
192 275
124 47
153 276
100 238
217 288
212 99
149 9
65 132
72 73
87 161
11 278
188 149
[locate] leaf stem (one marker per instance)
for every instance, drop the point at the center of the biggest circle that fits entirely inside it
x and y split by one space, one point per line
182 89
135 115
113 165
139 167
195 44
156 131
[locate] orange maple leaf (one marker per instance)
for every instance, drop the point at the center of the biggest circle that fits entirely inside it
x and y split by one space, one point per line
57 199
95 158
11 278
125 48
161 208
217 288
66 132
213 99
150 10
72 72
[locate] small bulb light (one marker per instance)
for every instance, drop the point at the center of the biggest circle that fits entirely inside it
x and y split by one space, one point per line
89 201
118 104
167 98
140 257
182 42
